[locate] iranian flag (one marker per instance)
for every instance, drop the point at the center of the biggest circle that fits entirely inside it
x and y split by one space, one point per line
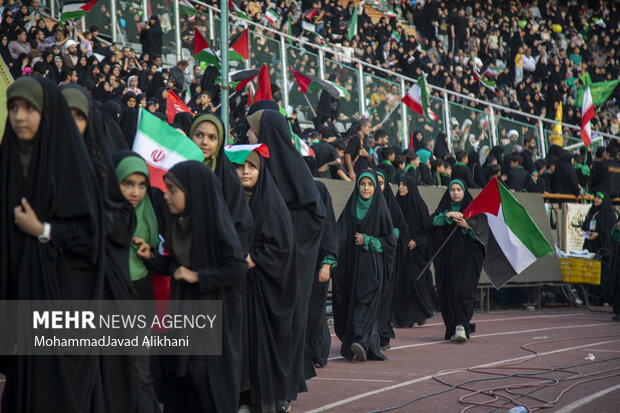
202 50
239 153
395 36
489 84
239 48
512 240
417 100
301 146
309 83
272 17
162 147
174 105
75 9
492 71
391 14
587 114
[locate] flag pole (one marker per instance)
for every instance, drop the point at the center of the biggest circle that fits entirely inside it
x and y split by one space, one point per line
229 97
428 264
224 71
310 104
389 114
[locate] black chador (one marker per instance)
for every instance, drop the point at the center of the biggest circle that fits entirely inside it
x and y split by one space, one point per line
293 179
458 265
413 299
318 338
211 248
364 264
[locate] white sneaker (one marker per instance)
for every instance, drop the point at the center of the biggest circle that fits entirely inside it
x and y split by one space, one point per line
459 335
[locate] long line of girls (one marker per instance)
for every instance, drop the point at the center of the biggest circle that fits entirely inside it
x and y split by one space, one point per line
79 220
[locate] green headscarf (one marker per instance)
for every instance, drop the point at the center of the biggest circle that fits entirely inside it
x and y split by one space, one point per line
363 205
600 195
455 206
146 227
211 162
424 155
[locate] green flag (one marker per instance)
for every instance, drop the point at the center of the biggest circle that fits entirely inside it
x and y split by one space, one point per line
600 92
353 26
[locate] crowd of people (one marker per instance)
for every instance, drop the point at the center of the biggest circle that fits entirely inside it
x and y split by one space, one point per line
80 220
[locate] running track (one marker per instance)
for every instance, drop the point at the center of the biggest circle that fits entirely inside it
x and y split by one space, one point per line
562 339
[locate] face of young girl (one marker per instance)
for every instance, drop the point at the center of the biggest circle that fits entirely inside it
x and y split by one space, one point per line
24 118
366 189
456 193
175 197
206 137
133 188
248 174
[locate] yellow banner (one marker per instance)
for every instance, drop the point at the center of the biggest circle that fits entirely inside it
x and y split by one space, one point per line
5 80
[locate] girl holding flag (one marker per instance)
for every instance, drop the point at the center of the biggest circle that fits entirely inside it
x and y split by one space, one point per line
459 263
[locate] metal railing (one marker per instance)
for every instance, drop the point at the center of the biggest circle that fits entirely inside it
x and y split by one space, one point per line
452 108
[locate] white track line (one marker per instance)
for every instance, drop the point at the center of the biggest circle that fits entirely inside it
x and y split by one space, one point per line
578 403
421 379
488 335
341 379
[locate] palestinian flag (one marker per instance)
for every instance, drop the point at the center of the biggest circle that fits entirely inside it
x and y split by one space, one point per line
240 78
489 84
395 36
417 100
236 10
186 7
162 146
512 240
239 46
203 52
75 9
309 83
272 17
353 26
239 153
174 105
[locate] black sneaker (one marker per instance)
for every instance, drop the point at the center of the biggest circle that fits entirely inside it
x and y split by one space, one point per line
421 323
359 351
386 346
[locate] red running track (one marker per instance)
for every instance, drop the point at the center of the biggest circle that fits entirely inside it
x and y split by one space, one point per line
561 338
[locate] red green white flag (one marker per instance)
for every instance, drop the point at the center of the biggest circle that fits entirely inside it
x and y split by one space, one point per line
239 153
587 114
75 9
239 48
203 52
512 239
417 100
236 10
309 83
489 84
162 146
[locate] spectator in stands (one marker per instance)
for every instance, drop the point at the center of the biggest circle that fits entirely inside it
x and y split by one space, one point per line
529 143
71 58
606 174
178 74
461 171
151 37
518 179
20 44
